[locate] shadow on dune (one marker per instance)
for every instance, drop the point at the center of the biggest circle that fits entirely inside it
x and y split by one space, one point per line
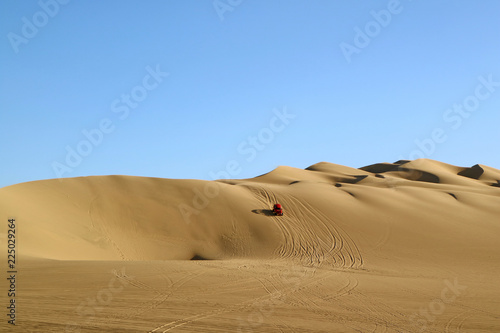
198 257
353 180
473 172
406 173
266 212
421 176
379 168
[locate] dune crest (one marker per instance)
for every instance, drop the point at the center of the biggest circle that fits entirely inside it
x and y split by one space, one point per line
333 214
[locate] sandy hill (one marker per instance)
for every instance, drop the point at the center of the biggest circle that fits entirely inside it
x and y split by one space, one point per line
327 206
424 218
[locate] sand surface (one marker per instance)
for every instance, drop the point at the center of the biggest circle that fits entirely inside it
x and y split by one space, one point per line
410 246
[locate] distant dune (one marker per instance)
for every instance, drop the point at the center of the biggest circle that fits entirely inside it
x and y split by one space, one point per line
411 219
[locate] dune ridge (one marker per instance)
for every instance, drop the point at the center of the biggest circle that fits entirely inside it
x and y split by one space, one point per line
138 218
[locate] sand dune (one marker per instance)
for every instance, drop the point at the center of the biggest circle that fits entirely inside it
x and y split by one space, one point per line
357 250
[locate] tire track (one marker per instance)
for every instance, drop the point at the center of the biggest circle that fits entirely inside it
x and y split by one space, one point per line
162 295
318 293
309 234
94 216
378 312
465 315
276 291
347 247
242 306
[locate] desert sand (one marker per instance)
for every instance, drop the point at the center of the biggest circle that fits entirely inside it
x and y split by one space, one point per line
410 246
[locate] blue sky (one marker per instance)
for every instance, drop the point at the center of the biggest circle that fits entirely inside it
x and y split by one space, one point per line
203 89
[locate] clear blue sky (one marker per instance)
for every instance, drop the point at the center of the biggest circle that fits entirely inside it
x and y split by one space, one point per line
364 82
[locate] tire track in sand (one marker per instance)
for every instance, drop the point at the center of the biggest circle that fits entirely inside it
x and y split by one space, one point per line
309 234
162 294
239 307
97 224
271 298
458 326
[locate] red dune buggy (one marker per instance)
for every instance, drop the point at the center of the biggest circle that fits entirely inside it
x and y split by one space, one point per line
278 210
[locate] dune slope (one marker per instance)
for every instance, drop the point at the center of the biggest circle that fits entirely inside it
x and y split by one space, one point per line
332 213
